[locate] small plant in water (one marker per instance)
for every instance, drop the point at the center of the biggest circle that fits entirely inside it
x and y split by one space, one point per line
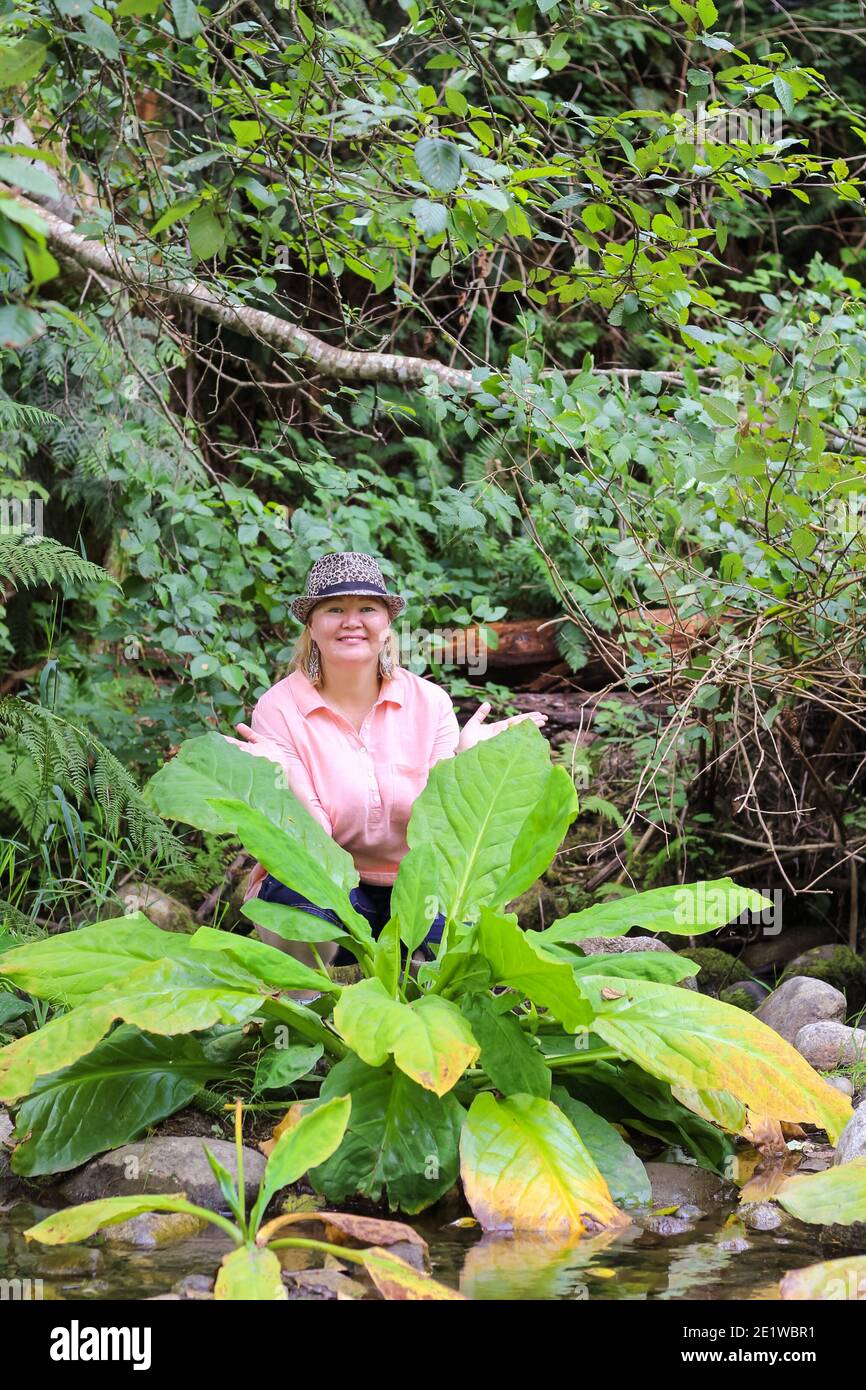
252 1270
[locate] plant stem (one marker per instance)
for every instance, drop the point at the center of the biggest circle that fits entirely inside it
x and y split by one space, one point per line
298 1243
239 1150
564 1060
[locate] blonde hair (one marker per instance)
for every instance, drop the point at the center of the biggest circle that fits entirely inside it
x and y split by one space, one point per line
303 650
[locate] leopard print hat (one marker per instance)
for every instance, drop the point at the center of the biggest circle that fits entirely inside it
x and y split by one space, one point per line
345 572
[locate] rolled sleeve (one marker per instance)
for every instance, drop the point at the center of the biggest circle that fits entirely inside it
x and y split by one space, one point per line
447 734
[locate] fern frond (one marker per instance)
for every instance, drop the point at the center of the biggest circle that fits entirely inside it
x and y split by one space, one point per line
64 754
29 560
15 416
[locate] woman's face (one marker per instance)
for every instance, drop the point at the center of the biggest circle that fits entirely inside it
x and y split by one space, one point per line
350 630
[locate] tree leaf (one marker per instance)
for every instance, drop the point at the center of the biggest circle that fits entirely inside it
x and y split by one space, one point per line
438 163
20 62
525 1168
206 232
186 18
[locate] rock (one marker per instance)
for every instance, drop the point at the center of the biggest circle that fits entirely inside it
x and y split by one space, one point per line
62 1263
536 909
717 969
153 1229
679 1184
166 1164
826 1046
799 1001
839 1083
614 945
666 1225
735 1245
193 1286
689 1212
836 965
163 911
748 995
760 1216
782 947
852 1140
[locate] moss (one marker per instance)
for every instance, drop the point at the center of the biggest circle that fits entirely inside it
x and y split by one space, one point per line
836 965
717 968
739 997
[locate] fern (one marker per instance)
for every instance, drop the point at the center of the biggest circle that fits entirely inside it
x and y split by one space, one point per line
16 416
18 926
67 756
29 560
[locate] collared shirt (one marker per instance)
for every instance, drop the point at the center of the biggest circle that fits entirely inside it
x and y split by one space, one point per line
359 785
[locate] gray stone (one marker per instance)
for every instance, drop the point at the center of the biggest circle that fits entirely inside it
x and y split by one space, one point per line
735 1245
163 1165
163 911
689 1212
666 1225
681 1184
839 1083
852 1140
615 945
760 1216
829 1045
153 1229
798 1002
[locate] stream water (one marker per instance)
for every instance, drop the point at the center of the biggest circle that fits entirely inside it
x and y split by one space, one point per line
718 1259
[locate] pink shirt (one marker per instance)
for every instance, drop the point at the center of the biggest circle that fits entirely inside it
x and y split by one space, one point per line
359 786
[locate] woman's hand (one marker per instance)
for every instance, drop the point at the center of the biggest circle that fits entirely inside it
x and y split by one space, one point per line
258 744
475 730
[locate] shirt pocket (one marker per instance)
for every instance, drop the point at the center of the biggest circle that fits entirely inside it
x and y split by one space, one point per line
407 782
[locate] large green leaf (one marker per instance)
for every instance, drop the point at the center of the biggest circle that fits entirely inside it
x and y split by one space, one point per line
401 1139
837 1196
266 962
687 909
438 162
511 1061
159 997
307 1144
518 960
525 1168
290 861
129 1081
690 1040
429 1039
616 1160
472 811
540 836
279 1067
210 767
415 891
291 923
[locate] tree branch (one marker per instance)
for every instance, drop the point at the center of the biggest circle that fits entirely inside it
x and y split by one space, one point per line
104 259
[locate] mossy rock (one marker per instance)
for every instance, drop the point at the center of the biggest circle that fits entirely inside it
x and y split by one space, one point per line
718 970
742 997
836 965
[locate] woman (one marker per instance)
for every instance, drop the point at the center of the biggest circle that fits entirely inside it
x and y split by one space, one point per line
356 734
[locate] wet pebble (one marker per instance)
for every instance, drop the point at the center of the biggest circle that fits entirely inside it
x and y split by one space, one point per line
666 1226
761 1216
689 1212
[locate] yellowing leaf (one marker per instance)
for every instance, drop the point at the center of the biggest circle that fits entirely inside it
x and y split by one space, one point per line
843 1279
250 1274
690 1040
525 1168
838 1195
430 1039
397 1280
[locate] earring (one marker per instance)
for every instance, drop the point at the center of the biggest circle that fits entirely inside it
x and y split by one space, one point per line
313 665
386 664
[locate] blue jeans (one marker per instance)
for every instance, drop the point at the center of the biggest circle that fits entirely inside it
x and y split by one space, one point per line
372 900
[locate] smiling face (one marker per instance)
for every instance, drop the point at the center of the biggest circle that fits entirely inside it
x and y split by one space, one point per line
350 630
